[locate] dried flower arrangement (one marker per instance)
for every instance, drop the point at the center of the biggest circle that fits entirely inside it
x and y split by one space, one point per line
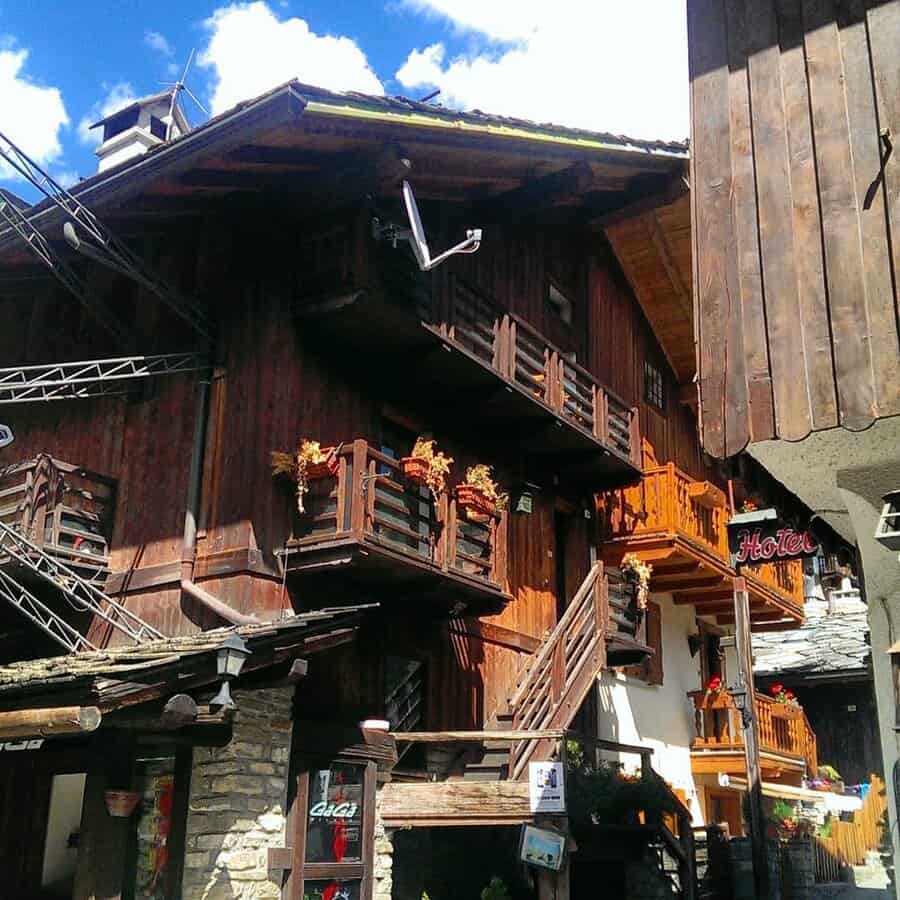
427 466
307 462
634 567
479 493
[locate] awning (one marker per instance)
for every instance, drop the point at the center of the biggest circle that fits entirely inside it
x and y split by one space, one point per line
833 803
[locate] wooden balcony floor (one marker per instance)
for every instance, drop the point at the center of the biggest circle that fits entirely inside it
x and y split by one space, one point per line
411 358
344 564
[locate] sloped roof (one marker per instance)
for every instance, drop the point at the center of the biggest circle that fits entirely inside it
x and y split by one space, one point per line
827 643
103 672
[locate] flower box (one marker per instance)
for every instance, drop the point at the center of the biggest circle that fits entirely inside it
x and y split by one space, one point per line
474 499
326 468
706 494
415 469
121 804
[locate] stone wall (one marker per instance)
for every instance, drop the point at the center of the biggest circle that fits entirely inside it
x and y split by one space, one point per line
383 881
238 802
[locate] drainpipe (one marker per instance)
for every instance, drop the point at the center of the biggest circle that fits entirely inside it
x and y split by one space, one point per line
192 510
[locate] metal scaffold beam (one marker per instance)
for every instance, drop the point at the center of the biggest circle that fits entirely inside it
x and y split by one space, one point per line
102 245
50 622
81 593
91 378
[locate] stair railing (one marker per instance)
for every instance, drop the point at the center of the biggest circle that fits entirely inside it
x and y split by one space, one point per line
563 670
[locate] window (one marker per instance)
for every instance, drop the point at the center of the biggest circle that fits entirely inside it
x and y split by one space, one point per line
651 669
333 824
158 128
559 304
654 386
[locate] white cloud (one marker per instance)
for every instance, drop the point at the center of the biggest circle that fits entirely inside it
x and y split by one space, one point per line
117 96
251 50
32 116
619 67
156 41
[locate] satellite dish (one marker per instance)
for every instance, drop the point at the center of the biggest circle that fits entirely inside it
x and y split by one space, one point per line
6 436
415 235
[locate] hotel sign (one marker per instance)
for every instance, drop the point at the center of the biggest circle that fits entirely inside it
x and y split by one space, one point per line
761 537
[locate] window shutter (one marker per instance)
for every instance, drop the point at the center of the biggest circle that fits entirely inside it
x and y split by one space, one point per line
654 639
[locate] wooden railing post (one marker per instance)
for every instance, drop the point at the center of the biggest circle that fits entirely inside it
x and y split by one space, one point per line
635 434
354 491
601 603
601 414
558 670
445 512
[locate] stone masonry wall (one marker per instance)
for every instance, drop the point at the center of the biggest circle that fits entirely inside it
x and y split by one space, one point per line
238 802
383 881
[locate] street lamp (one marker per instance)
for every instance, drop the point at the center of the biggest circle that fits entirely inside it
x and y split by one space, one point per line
741 697
230 659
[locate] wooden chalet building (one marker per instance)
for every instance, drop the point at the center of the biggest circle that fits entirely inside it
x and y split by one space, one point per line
141 529
796 230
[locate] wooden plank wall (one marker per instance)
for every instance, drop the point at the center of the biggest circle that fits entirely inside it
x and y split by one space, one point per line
796 215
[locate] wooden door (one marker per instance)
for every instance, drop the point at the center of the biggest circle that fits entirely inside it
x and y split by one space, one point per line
725 807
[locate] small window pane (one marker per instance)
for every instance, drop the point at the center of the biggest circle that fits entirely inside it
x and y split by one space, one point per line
331 889
334 819
654 386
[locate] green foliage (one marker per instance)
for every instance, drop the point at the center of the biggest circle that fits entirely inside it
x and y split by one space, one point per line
605 795
825 829
782 810
829 773
495 890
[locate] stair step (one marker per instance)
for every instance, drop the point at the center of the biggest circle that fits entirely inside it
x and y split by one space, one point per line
480 772
498 756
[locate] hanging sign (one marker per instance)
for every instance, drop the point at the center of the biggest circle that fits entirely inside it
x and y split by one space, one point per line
542 847
761 537
547 787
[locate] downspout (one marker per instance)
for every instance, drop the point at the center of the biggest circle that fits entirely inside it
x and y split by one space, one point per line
191 513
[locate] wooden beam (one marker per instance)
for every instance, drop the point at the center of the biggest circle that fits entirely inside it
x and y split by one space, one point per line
449 737
49 722
407 805
658 237
689 582
678 187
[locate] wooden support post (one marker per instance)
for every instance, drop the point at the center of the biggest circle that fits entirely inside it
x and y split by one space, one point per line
24 723
751 737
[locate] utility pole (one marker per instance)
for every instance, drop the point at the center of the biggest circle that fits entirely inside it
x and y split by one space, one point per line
745 695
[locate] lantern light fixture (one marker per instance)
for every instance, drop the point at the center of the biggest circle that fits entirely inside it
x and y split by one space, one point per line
230 659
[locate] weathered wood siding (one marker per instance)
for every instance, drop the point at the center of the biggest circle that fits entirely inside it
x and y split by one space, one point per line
796 215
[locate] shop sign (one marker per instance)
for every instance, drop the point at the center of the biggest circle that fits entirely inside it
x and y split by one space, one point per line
12 746
546 787
760 537
542 847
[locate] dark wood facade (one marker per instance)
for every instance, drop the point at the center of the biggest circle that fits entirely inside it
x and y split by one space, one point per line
226 223
796 216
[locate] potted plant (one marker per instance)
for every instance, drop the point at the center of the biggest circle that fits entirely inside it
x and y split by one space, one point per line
427 466
120 804
308 462
638 572
781 694
479 494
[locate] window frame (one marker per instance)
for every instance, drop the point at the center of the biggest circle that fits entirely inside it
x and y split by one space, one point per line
358 870
569 304
654 377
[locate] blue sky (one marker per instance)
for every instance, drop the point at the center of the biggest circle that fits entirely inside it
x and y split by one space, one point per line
599 64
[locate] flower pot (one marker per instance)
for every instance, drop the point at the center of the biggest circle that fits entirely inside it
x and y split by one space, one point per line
121 804
415 469
707 495
327 468
472 499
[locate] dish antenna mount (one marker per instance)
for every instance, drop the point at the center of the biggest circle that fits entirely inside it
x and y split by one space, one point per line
415 235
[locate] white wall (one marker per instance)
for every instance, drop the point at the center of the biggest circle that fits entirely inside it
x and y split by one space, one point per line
658 716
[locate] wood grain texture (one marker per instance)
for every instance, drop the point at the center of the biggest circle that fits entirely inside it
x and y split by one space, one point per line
810 171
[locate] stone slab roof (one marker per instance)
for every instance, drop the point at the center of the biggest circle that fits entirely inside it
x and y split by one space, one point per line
828 642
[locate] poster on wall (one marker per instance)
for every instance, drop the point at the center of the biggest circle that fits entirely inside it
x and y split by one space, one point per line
547 787
542 847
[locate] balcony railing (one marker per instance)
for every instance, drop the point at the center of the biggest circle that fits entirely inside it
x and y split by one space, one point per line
784 729
665 502
64 509
370 516
522 356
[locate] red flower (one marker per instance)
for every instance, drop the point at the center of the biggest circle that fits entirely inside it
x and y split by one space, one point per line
790 695
776 689
714 683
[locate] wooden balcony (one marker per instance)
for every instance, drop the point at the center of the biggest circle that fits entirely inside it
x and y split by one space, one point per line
443 343
374 531
63 509
787 742
680 526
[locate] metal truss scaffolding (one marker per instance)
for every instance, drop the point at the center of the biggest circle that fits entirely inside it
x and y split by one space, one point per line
83 595
90 378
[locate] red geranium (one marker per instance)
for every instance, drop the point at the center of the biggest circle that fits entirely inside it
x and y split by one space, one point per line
714 684
776 689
